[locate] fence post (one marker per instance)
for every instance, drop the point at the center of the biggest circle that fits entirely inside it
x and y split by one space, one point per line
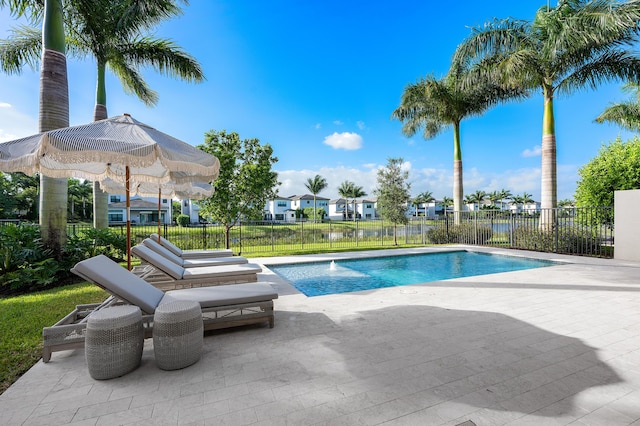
357 239
272 238
330 236
511 225
302 234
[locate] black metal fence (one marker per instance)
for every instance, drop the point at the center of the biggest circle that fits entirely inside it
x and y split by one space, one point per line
578 231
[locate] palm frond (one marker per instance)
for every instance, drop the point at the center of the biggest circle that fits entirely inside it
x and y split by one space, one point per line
164 56
132 82
612 65
23 47
624 114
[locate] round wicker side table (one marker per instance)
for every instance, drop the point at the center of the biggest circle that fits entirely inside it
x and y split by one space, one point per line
177 334
114 341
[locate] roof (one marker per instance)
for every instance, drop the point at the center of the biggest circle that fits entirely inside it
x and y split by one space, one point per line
306 197
139 204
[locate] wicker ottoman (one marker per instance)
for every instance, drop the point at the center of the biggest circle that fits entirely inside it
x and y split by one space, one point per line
177 334
114 341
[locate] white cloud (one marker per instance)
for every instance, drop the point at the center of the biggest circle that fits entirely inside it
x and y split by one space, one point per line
536 151
370 165
360 125
345 140
338 122
317 126
14 124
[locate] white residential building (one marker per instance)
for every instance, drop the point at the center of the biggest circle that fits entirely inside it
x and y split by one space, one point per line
279 209
305 201
144 210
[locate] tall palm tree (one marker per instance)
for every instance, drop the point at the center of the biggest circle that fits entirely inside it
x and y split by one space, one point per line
436 105
625 114
113 32
423 198
315 186
575 45
53 109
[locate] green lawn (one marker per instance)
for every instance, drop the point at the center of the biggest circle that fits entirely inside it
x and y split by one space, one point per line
24 317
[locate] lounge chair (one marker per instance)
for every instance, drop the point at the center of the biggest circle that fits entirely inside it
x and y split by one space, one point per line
222 306
189 254
193 263
166 275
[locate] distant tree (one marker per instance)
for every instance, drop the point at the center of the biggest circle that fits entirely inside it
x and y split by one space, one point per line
446 203
348 189
615 168
310 211
477 198
566 203
245 182
7 199
505 194
393 193
316 186
493 197
624 114
27 189
176 209
423 198
527 198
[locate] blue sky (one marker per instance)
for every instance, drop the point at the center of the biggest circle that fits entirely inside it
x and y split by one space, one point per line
318 80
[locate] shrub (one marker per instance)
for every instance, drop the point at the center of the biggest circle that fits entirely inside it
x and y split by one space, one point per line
27 265
183 220
569 241
465 233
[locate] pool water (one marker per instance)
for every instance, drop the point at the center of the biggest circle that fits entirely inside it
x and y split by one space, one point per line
319 278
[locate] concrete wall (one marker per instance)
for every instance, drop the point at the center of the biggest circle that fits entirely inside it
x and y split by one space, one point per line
627 225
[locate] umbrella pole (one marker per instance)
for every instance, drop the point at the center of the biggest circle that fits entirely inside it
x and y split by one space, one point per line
128 203
159 198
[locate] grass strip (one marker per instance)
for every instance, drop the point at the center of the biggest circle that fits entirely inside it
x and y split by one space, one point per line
22 319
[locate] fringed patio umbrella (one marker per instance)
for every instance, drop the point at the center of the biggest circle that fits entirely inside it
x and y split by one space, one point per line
120 148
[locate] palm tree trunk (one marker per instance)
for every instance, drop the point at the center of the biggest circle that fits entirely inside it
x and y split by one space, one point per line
548 193
458 189
54 114
100 197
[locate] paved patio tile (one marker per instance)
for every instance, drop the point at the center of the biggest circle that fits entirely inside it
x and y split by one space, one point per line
550 346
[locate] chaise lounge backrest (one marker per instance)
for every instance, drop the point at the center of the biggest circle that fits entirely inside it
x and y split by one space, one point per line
158 261
119 282
161 250
167 244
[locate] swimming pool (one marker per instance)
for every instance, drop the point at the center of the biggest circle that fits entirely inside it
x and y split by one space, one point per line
343 276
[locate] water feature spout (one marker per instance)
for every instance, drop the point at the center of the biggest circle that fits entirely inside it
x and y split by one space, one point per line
332 267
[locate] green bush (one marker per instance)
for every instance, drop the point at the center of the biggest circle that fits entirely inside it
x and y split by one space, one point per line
465 233
183 220
569 241
27 265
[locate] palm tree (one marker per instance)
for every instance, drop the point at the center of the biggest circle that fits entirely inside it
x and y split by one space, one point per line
624 114
315 186
348 189
113 33
478 197
517 200
493 197
345 190
53 110
575 45
446 203
423 198
436 105
505 194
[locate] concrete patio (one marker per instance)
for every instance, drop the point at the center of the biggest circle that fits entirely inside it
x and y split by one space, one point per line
550 346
